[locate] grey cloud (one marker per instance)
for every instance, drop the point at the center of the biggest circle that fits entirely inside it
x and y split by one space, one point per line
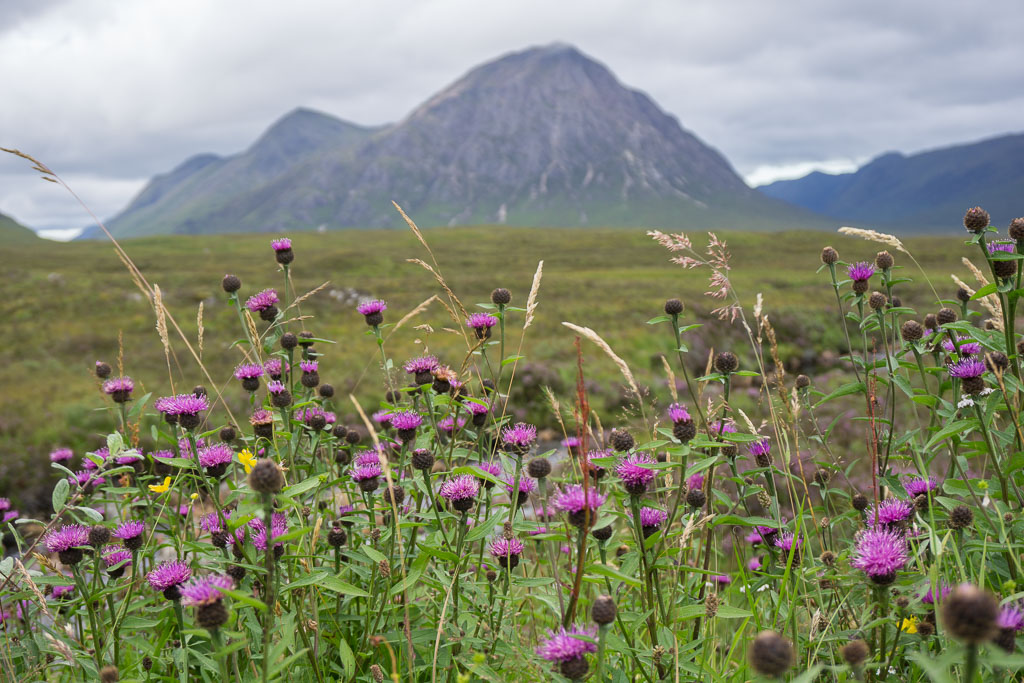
124 91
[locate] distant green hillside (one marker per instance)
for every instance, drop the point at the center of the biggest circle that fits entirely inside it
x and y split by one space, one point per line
11 231
925 191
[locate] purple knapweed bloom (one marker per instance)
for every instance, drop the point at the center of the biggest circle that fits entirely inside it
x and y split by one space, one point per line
375 306
678 413
119 388
116 556
476 407
213 456
859 272
460 490
1001 247
9 516
366 472
448 424
258 530
564 645
492 468
276 387
880 554
130 533
128 458
61 455
406 423
915 486
58 592
281 244
966 346
275 367
787 542
526 487
262 301
579 504
967 368
695 482
211 522
309 365
761 448
1011 617
383 417
248 371
85 479
424 365
651 520
891 511
67 537
90 464
186 404
507 551
721 579
5 504
722 427
519 438
571 442
633 473
481 323
205 590
754 564
367 456
929 596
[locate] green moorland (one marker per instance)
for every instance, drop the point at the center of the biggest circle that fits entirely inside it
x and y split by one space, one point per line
66 305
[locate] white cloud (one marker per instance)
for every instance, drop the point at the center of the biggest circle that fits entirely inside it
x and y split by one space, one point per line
122 91
769 173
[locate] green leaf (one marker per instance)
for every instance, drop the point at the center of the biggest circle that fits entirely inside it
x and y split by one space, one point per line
730 612
659 319
483 528
690 611
348 660
609 572
60 494
315 577
511 359
948 431
845 390
244 597
303 486
477 472
374 554
333 583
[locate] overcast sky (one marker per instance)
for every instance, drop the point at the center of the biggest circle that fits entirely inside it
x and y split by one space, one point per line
111 93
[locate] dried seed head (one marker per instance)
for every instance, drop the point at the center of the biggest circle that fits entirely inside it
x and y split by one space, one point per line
695 498
976 219
621 440
1017 229
266 477
946 316
925 629
384 568
961 517
109 674
538 468
673 306
377 673
501 296
884 260
828 558
230 284
860 502
726 362
829 256
877 301
603 610
764 499
855 653
963 295
969 614
911 331
770 654
803 381
711 603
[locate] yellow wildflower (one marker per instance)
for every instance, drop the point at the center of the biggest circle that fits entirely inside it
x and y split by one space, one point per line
161 488
194 496
247 459
909 625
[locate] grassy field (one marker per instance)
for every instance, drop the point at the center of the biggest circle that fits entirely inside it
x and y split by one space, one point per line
65 305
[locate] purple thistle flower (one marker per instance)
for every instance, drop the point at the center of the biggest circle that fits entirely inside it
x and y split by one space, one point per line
276 387
9 516
119 387
571 442
275 367
261 416
448 424
726 427
129 530
761 447
205 590
5 504
859 272
281 244
67 537
248 371
754 564
520 437
189 404
652 518
382 417
929 596
262 301
571 499
462 487
678 413
787 541
309 365
722 579
309 414
564 645
367 456
128 458
371 307
968 347
421 364
58 592
212 456
406 420
116 556
1003 247
492 468
366 472
967 368
476 407
506 547
90 464
880 554
258 530
481 321
61 455
890 511
915 486
85 478
1011 617
526 486
211 522
635 477
695 482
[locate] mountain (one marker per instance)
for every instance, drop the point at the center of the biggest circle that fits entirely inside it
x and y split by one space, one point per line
546 136
13 232
925 191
